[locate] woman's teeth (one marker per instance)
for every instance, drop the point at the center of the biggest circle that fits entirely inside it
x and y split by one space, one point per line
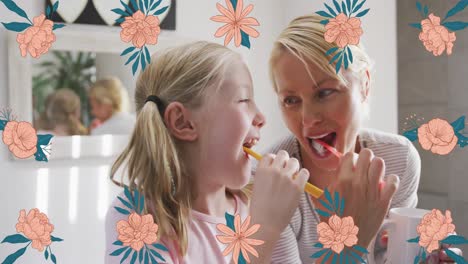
319 148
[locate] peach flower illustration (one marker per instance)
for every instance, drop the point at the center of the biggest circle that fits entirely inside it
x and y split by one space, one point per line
140 29
21 139
238 239
137 231
35 227
343 30
339 232
437 136
235 22
433 228
38 38
435 37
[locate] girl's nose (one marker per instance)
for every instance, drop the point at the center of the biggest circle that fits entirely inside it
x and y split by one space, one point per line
259 119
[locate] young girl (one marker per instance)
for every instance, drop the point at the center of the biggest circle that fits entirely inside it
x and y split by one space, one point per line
195 113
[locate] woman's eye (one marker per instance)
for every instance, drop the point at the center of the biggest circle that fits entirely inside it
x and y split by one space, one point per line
245 100
290 101
324 93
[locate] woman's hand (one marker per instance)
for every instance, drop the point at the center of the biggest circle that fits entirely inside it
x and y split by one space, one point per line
278 185
367 200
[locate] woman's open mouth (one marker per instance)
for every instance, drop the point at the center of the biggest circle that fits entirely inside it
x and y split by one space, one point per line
317 149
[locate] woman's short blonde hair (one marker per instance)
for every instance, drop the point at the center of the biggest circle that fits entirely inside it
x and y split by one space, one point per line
109 91
304 38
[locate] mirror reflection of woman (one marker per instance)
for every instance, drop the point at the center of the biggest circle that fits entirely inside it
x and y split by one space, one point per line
107 98
62 115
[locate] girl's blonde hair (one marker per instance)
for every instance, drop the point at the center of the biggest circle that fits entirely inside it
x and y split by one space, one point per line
304 38
62 108
186 74
109 91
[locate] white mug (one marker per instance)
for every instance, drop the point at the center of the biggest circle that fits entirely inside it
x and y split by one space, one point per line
401 225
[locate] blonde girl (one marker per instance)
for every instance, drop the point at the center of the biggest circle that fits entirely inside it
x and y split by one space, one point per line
195 112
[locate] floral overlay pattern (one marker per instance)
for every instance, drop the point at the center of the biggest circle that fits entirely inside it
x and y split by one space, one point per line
21 138
35 37
137 235
237 24
435 229
236 235
438 135
36 230
435 33
337 238
140 26
343 27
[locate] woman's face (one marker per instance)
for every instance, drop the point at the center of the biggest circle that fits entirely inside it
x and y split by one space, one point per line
320 109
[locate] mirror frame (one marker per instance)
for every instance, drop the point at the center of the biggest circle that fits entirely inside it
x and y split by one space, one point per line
74 37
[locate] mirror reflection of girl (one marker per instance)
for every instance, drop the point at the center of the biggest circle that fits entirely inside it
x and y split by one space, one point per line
107 98
187 158
62 115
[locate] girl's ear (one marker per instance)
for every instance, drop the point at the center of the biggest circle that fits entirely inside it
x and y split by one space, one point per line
178 120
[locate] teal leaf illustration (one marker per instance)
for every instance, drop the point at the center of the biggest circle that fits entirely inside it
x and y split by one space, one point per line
326 205
160 11
13 257
337 55
324 22
39 155
413 240
46 254
153 260
324 14
458 259
148 56
245 40
127 8
56 6
318 245
343 8
457 8
125 256
48 11
426 11
132 57
334 259
134 4
15 239
118 243
360 249
143 67
458 124
229 220
156 254
412 135
139 199
354 4
16 26
338 64
155 5
341 257
58 26
146 257
134 257
134 69
318 254
120 20
3 124
359 258
147 6
337 202
118 251
241 259
141 5
363 13
330 10
423 254
121 210
56 239
127 50
44 140
119 11
456 25
13 7
416 25
128 195
350 54
462 140
455 240
322 213
140 256
331 51
160 247
359 6
348 4
416 259
234 4
346 62
127 204
328 196
419 7
337 6
327 256
53 258
342 206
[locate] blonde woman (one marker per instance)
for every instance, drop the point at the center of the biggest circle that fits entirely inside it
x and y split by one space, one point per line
62 116
318 104
107 98
195 114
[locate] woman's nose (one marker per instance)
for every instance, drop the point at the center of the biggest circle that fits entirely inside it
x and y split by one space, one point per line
311 117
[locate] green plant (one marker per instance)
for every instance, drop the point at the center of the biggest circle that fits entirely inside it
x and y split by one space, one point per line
65 70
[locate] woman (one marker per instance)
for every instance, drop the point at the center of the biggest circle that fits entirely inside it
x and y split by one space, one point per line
107 97
319 104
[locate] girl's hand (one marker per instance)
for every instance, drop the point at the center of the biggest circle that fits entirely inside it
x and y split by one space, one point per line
95 123
278 185
358 183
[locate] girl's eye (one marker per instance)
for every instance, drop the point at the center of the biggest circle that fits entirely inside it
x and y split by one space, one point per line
290 100
244 100
324 93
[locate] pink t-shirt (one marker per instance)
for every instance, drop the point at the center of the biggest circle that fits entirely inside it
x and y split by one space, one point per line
203 247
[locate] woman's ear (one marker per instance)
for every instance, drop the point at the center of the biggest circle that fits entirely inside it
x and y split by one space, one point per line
366 86
179 121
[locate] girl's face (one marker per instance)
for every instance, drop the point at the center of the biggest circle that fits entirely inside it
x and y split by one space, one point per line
228 120
100 111
321 109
